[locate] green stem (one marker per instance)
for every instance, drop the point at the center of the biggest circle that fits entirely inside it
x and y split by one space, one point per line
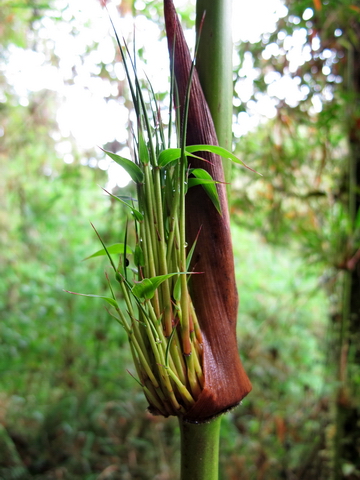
200 450
214 66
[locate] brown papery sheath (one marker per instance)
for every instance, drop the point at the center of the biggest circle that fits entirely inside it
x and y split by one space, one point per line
213 292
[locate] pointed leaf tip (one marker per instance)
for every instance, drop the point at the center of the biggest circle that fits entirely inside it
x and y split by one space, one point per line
107 299
130 167
116 248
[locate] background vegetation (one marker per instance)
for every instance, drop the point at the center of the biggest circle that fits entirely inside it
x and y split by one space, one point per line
68 407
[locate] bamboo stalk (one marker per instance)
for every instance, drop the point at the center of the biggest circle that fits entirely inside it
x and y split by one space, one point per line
200 442
200 450
214 66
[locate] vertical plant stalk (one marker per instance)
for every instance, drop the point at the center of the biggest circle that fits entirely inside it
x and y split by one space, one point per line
349 337
200 442
214 66
200 450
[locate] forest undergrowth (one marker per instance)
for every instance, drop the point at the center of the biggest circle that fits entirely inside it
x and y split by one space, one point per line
75 412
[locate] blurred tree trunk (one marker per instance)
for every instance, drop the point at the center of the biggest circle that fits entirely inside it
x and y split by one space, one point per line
347 442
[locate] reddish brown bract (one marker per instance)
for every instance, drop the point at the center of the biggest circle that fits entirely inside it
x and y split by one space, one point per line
214 292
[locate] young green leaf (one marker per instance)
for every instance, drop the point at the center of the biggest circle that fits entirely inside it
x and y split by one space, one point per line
146 288
131 168
192 181
202 177
222 152
169 155
115 248
107 299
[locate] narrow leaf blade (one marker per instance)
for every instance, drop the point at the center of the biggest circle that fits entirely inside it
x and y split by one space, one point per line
169 155
146 288
222 152
203 178
116 248
135 213
131 168
107 299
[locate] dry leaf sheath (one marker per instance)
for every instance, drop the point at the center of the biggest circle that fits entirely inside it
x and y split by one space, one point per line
214 293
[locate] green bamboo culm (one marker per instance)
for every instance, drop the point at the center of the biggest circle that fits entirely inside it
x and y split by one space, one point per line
214 67
200 442
200 450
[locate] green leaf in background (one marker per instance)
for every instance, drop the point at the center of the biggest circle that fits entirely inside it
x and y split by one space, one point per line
203 178
115 248
131 168
107 299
